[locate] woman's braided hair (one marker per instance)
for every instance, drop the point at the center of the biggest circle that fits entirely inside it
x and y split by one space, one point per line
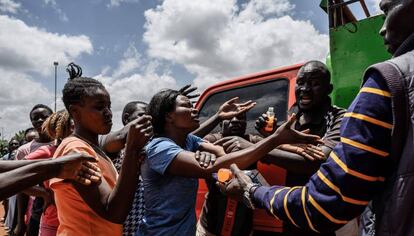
58 125
77 86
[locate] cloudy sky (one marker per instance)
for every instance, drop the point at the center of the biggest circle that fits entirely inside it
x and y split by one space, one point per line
136 47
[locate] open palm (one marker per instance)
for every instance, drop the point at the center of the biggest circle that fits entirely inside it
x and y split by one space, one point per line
232 108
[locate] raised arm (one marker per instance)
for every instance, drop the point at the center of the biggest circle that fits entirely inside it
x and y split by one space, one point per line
114 205
11 164
355 171
34 172
298 158
114 142
184 165
227 111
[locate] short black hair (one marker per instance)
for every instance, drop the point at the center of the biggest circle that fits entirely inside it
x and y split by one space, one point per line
28 130
161 103
37 106
130 108
77 86
319 66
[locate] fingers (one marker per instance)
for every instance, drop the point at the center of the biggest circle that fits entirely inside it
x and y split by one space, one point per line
82 180
223 140
235 169
213 159
306 155
189 90
92 166
310 138
207 160
261 122
80 157
191 96
202 158
306 131
233 100
90 173
197 155
229 142
315 152
248 105
234 147
291 120
183 89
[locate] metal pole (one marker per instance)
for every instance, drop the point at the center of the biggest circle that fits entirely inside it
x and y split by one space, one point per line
55 64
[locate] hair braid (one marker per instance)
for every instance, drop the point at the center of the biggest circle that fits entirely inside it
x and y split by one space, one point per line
63 125
78 87
57 126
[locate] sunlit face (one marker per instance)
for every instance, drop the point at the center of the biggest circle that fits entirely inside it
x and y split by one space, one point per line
312 89
235 126
38 116
94 113
398 25
184 116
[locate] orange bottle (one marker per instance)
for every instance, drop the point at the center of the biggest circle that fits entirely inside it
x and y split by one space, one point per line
270 119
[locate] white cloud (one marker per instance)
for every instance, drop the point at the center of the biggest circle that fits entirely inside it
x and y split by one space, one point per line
117 3
62 16
138 86
26 52
18 94
130 62
217 39
9 6
30 49
375 5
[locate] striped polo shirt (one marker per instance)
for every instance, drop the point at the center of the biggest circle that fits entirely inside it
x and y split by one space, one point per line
355 171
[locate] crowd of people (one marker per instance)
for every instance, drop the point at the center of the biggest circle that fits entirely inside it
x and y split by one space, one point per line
73 175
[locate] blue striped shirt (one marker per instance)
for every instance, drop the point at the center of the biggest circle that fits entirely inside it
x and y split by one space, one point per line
351 176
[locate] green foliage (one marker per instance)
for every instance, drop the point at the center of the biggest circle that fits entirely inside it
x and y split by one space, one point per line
3 144
19 136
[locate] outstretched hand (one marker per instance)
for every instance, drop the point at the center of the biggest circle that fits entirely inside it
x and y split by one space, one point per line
187 90
80 168
261 122
287 134
205 159
237 185
308 151
232 108
233 143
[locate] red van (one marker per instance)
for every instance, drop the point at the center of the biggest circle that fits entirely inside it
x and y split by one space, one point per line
272 88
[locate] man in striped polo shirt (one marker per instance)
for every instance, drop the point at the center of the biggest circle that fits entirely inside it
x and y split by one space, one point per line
359 166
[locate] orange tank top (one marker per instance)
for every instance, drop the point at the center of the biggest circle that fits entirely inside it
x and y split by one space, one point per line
75 216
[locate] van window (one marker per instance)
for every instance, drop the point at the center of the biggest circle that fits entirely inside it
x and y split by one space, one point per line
267 94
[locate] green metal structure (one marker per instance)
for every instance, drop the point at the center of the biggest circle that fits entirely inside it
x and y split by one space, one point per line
354 46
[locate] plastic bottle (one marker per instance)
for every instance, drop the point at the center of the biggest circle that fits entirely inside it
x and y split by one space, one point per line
271 119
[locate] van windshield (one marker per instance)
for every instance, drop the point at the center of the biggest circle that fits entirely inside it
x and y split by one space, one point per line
272 93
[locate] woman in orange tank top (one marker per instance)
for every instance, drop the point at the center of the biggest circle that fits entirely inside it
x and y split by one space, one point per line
98 209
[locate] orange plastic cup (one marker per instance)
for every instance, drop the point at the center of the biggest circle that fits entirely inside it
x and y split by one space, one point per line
224 175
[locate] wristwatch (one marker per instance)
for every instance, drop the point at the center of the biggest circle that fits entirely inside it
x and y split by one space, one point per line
247 194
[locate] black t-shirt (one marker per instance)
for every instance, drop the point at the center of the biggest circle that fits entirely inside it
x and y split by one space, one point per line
326 124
